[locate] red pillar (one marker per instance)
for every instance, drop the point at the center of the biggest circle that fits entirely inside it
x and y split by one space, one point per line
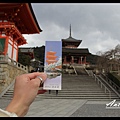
65 60
85 59
79 61
72 60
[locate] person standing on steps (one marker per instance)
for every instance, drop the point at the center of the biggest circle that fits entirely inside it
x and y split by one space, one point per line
56 92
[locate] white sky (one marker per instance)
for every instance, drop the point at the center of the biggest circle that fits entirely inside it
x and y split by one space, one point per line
96 24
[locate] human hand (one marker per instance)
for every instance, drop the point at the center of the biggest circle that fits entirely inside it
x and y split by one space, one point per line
25 90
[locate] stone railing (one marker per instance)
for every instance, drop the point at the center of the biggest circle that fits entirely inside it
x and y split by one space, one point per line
6 59
3 58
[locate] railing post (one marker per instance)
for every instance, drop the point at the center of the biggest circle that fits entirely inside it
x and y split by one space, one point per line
105 89
110 95
101 85
95 77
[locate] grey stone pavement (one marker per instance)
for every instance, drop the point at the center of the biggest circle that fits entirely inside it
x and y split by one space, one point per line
68 108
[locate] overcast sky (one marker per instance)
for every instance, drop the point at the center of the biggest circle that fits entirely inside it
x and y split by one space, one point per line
96 24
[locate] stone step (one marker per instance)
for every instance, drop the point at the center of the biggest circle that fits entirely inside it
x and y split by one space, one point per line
74 87
75 92
72 96
82 93
78 97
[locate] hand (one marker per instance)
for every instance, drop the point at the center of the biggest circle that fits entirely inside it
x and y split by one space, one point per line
25 90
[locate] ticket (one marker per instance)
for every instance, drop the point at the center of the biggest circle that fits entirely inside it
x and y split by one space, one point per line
53 65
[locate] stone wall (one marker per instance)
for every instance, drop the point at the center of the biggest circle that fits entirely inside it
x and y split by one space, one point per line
8 72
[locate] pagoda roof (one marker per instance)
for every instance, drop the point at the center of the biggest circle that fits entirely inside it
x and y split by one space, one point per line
71 40
22 15
76 51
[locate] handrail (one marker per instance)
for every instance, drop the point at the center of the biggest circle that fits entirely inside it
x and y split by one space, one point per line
114 87
75 70
101 84
89 72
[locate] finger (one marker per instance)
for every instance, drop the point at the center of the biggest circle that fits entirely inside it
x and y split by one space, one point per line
39 79
35 74
42 77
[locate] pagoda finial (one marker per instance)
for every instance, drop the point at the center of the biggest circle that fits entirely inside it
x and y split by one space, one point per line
70 30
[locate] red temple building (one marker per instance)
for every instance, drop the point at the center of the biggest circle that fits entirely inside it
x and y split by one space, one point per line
16 19
71 54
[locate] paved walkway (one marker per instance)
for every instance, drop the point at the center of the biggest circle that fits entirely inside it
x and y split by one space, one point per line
71 108
68 108
54 107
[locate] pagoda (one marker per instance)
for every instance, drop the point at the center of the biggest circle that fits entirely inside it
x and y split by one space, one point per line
52 63
16 19
51 57
71 54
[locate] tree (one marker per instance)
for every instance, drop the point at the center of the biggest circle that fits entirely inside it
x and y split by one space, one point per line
39 53
24 59
110 60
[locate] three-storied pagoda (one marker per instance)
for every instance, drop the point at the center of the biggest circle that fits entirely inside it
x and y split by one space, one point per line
71 54
16 19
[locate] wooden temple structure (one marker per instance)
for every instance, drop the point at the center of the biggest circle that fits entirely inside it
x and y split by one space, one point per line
71 54
16 19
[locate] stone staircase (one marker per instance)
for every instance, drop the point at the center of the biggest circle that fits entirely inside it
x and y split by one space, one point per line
80 71
8 93
79 87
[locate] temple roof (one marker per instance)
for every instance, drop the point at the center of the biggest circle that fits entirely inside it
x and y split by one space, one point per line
76 51
22 15
70 39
